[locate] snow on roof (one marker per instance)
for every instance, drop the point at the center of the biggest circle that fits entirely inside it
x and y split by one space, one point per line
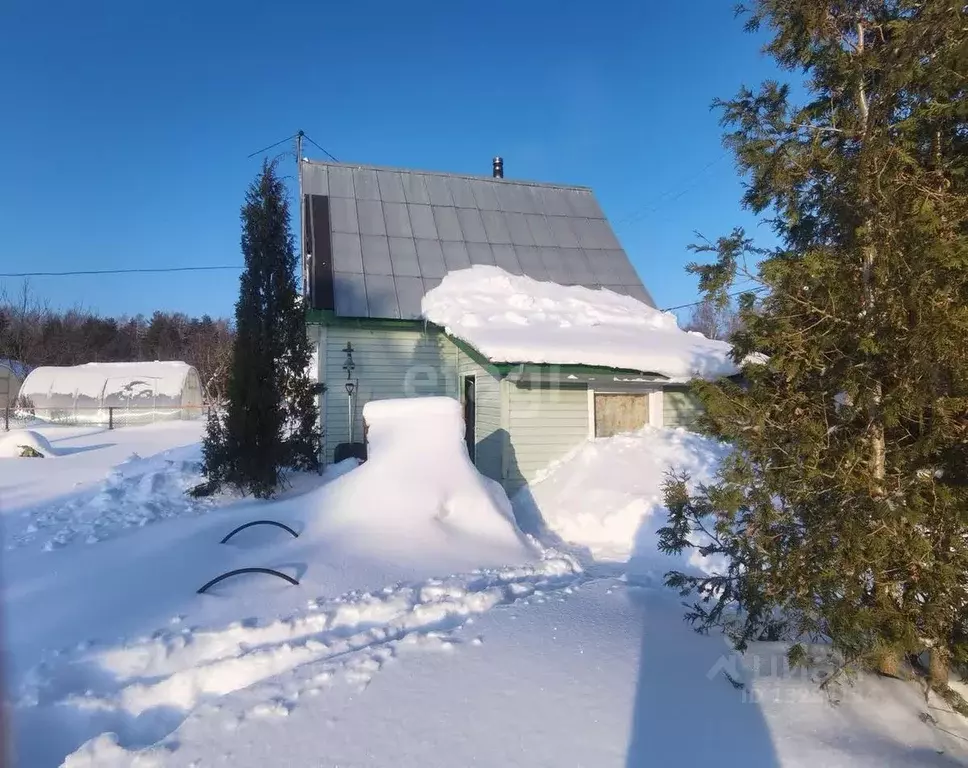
516 319
97 380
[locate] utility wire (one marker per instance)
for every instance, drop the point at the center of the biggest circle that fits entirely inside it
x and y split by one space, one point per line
321 149
653 205
271 146
697 303
119 271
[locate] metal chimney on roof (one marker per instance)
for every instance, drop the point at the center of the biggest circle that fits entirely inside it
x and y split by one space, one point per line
498 167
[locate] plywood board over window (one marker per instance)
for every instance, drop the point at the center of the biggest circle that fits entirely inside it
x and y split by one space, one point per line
618 413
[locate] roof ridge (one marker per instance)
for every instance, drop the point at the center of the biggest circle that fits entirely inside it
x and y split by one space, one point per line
446 174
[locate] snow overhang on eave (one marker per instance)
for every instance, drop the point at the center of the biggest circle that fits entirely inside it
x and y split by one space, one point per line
548 374
552 373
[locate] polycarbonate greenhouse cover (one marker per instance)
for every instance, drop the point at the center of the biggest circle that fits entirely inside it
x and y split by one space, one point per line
100 381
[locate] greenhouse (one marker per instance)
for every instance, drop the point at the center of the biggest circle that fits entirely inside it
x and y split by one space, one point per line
12 376
112 393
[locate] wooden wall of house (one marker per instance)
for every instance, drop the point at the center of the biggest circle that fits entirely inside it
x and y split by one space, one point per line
680 407
390 363
543 425
490 438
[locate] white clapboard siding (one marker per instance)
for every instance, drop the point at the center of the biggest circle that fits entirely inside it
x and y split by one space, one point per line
489 438
544 424
390 363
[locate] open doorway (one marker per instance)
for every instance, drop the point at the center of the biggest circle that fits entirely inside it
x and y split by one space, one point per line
469 398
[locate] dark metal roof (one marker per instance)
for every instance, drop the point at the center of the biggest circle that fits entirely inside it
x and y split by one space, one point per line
395 233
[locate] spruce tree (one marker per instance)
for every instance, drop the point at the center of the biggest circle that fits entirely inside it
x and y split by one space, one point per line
843 510
270 422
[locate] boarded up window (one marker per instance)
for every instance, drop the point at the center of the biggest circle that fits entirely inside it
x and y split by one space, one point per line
615 414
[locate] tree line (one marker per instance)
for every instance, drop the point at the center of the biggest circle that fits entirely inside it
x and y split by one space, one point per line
34 334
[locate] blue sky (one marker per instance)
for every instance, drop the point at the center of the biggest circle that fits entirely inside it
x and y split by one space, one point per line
127 125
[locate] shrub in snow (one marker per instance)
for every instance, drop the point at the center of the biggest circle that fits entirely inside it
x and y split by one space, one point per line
25 444
418 483
270 421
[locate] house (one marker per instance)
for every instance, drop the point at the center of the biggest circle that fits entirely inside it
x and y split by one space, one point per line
12 375
391 259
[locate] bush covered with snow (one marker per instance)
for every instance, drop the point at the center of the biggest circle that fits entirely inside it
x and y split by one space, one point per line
418 481
25 443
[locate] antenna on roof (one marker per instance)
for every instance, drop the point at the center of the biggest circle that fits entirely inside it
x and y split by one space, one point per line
498 167
303 263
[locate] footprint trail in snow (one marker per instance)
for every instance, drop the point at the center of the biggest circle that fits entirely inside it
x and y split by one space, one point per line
143 689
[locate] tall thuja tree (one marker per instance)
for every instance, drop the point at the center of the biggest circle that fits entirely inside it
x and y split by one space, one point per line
270 421
843 511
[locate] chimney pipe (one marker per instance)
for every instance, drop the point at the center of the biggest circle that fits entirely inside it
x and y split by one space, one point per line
498 168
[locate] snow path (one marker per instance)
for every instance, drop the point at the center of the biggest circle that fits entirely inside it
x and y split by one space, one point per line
558 664
142 689
594 675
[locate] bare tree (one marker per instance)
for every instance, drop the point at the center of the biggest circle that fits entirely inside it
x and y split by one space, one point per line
210 350
712 321
21 318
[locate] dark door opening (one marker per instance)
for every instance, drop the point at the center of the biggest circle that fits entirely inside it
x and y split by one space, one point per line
470 415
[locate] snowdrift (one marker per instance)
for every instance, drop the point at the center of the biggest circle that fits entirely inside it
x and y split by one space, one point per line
12 445
516 319
418 485
137 492
606 495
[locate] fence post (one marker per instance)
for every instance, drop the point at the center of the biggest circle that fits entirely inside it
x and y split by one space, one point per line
110 417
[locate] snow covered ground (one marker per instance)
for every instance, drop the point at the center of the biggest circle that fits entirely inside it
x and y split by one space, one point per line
606 496
425 631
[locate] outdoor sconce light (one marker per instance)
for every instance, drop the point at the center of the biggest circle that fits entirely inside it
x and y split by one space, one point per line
349 366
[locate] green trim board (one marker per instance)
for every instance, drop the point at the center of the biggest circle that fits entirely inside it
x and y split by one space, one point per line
329 318
476 356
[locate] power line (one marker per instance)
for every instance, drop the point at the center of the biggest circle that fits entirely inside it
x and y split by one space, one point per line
665 196
321 149
271 146
731 295
142 270
290 138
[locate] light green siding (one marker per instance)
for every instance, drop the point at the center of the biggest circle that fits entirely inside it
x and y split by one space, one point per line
543 424
390 362
680 407
489 437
